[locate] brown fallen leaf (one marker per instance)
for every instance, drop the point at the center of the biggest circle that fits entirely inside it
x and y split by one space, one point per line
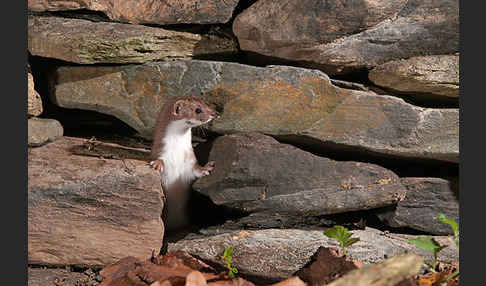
118 270
195 278
440 277
158 283
326 265
292 281
173 269
231 282
180 258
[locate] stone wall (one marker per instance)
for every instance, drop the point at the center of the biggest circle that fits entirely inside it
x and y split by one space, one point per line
327 108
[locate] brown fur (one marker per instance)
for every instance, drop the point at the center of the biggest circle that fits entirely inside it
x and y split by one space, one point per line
167 114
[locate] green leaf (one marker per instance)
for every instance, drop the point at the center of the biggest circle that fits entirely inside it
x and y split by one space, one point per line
351 241
228 257
337 232
228 252
342 235
427 243
452 223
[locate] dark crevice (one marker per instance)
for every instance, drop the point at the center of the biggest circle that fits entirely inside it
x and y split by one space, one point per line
353 220
260 60
418 99
214 215
240 7
359 76
75 122
49 64
357 219
188 28
425 100
84 14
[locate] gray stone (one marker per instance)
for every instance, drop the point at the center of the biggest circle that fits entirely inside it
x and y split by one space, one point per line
342 36
41 131
425 199
91 204
295 104
277 254
148 12
87 42
256 173
436 76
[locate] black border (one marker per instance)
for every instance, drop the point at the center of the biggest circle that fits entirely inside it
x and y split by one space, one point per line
14 142
471 191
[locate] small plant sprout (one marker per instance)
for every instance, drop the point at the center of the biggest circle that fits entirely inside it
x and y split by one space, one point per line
228 259
342 235
455 227
428 243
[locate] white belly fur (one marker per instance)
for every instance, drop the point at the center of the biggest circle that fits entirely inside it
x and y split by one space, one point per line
178 173
178 155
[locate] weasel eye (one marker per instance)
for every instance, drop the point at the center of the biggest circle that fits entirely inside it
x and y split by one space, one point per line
198 110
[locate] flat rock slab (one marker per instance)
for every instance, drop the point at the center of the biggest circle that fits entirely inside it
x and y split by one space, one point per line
430 75
87 42
42 130
278 254
297 104
256 173
425 199
148 12
91 203
341 36
34 101
56 276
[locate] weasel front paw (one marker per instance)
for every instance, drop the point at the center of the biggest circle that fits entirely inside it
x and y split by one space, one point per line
207 169
157 165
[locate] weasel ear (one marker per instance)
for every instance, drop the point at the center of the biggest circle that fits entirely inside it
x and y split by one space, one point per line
177 107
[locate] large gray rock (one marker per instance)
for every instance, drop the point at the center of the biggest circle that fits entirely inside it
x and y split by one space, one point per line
148 12
436 76
91 204
342 36
42 130
255 173
277 254
425 199
295 104
87 42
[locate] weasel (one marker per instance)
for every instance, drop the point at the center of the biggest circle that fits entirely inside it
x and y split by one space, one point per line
173 156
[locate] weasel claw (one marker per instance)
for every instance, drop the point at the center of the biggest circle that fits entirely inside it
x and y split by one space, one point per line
157 165
206 170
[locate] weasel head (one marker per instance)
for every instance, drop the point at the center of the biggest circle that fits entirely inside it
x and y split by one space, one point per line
193 111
